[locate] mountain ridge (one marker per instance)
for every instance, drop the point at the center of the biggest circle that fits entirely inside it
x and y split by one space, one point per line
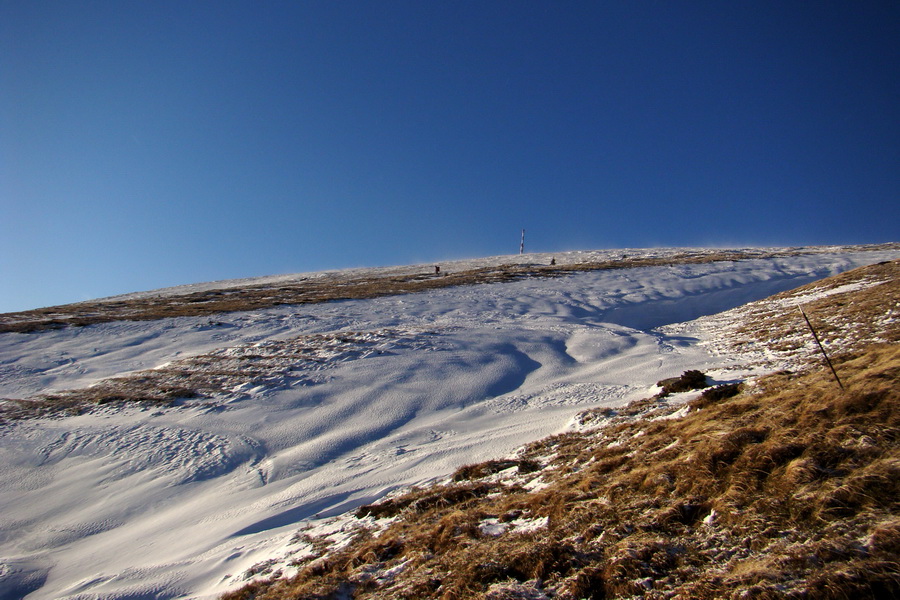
248 294
309 411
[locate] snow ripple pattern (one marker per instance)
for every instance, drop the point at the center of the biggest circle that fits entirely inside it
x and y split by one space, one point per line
174 503
182 455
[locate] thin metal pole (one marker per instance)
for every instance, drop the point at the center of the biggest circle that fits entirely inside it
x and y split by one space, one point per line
522 243
822 348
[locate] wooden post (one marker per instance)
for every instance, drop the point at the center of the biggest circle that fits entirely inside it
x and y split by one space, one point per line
822 348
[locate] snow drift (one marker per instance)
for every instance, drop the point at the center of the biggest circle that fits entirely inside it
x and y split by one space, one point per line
126 501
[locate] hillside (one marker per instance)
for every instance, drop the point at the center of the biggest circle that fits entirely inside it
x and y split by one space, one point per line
780 486
247 295
183 456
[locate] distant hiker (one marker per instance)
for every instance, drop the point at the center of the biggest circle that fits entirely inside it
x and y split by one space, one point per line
552 261
437 270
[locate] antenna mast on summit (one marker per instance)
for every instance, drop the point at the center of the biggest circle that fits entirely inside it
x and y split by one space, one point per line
522 243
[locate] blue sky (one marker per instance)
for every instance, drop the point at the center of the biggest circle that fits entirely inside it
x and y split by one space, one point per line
148 144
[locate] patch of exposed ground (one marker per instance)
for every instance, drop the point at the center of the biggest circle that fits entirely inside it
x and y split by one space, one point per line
310 291
783 487
224 374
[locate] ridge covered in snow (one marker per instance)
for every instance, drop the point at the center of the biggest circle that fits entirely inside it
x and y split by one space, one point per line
303 412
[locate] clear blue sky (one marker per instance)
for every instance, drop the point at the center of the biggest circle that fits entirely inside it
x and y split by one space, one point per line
148 144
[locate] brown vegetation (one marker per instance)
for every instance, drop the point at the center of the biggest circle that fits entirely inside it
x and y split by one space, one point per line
783 487
847 311
339 288
217 375
789 491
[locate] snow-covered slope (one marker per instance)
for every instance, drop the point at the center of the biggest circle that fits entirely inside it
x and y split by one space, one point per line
131 502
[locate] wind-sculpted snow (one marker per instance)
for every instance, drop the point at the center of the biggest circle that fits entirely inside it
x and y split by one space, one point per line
310 411
180 455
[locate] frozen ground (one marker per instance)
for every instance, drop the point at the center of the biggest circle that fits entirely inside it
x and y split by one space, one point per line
180 502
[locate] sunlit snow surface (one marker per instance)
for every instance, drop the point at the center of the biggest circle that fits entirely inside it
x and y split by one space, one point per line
178 503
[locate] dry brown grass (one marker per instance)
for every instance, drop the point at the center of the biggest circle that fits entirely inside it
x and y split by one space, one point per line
786 488
214 376
789 491
867 309
340 288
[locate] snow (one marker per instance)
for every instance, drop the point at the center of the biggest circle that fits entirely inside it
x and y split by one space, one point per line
495 527
801 299
130 502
